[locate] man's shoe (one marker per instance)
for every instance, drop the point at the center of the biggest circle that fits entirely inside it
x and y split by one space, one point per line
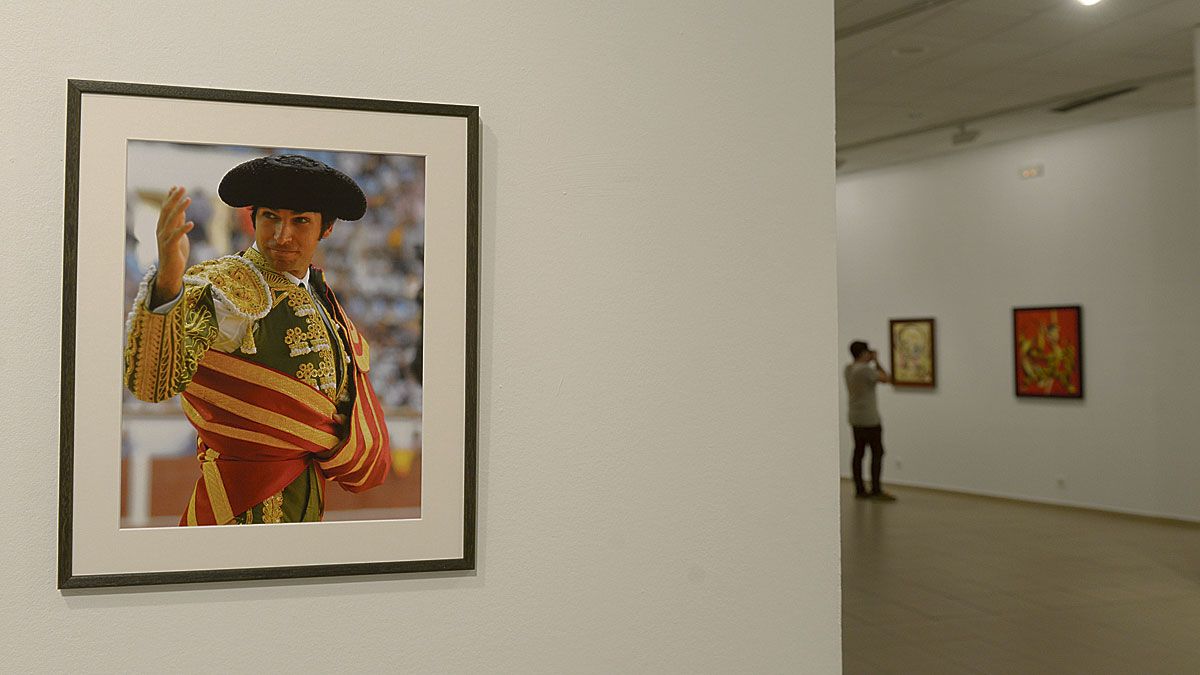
862 495
882 496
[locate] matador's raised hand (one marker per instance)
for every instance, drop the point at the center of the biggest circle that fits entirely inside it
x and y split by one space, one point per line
173 245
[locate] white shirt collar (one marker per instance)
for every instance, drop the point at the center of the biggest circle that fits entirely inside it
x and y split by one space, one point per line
299 281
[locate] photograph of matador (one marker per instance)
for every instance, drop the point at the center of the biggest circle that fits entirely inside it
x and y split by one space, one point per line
267 363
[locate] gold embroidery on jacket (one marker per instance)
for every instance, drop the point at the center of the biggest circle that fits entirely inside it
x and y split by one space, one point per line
248 346
314 337
244 518
237 281
162 351
272 508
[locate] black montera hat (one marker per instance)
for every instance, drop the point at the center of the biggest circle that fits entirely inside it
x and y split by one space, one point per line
293 182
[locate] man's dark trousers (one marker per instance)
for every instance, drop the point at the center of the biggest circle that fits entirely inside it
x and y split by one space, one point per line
864 436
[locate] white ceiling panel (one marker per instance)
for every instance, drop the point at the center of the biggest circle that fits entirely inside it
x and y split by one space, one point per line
1045 86
848 87
1013 7
902 89
967 24
1126 37
897 54
851 113
1081 59
1177 93
1048 29
1107 11
944 108
984 56
851 13
856 44
1174 13
991 61
1177 47
1011 84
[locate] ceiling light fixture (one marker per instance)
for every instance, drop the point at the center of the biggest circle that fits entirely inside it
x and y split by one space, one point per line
964 135
1088 3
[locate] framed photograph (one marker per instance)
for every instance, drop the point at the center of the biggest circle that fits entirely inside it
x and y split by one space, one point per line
914 357
1048 351
269 345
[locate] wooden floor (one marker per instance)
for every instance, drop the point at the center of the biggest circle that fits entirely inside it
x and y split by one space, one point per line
944 583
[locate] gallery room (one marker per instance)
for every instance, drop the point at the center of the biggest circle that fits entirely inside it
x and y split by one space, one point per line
1017 216
516 338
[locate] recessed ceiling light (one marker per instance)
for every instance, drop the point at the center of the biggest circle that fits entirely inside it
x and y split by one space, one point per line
1088 3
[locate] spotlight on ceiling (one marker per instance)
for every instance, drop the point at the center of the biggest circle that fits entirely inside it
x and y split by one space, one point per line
964 135
1088 3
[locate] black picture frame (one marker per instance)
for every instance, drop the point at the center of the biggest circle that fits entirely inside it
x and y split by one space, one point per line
1054 369
87 159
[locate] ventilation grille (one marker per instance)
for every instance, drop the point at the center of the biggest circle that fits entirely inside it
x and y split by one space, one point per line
1090 100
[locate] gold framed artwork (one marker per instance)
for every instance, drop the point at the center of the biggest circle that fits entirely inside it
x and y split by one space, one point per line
914 353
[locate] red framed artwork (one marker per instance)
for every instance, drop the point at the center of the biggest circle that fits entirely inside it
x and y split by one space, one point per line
1048 351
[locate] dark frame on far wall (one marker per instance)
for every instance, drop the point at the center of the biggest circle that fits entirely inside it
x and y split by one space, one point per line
440 303
913 344
1048 351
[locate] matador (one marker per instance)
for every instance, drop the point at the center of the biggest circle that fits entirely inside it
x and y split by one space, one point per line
271 371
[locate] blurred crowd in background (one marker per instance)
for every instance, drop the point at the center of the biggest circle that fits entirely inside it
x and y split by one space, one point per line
374 265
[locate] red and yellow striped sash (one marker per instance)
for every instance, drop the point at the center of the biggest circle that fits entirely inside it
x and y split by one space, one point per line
260 428
363 461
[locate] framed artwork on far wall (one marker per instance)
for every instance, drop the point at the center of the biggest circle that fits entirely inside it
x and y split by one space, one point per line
1048 351
914 357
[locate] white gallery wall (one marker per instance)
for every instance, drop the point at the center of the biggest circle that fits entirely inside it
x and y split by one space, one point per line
657 485
1113 226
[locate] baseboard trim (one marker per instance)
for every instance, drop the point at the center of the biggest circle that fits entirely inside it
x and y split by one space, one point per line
1183 521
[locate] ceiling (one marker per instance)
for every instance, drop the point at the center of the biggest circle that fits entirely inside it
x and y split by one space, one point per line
912 73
